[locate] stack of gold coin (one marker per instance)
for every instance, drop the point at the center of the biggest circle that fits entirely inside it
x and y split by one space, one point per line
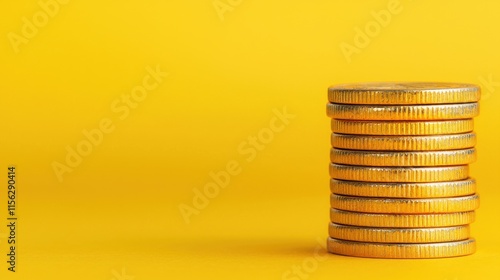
399 169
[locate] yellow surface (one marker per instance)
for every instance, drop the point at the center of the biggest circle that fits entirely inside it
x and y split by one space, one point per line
117 213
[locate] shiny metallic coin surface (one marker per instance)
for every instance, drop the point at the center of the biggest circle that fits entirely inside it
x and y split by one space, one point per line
404 143
401 220
405 205
402 127
404 190
399 235
398 174
403 93
403 112
401 251
403 158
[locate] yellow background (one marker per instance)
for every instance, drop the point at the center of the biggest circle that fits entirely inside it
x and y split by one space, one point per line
119 208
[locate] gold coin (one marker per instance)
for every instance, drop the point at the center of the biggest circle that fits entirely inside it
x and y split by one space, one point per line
404 190
399 174
399 235
403 112
401 220
404 205
402 127
420 158
404 143
403 93
402 251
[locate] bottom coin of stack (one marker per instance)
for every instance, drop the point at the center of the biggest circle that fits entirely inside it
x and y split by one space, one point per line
400 184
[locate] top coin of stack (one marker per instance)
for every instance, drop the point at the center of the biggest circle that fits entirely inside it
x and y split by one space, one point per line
399 169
